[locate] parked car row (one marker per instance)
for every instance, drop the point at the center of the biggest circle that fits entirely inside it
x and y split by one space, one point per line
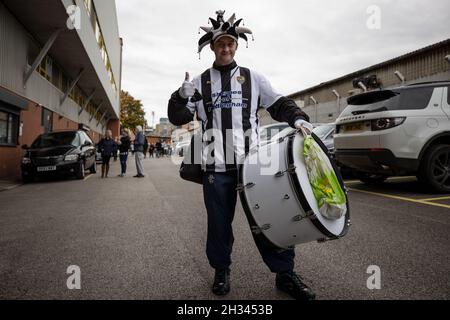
382 133
65 152
401 131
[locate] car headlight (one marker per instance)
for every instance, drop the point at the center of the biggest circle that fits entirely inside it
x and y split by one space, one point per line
26 160
71 157
386 123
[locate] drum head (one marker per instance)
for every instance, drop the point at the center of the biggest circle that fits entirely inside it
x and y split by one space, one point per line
334 227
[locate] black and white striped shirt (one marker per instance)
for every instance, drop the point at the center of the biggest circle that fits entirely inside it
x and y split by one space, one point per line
230 97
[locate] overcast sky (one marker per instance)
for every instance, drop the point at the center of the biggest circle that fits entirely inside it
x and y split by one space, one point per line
298 44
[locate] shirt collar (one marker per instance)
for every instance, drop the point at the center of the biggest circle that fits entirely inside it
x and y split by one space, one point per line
225 68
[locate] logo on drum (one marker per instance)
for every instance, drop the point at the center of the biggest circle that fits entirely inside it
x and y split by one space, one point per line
374 281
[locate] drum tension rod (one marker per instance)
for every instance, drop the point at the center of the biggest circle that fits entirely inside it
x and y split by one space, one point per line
300 217
241 187
258 230
291 169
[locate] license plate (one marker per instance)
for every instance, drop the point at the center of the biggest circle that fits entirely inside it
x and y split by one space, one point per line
48 168
353 127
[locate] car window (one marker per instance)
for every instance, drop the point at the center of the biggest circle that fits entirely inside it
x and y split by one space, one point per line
404 99
82 138
323 130
268 133
414 98
55 139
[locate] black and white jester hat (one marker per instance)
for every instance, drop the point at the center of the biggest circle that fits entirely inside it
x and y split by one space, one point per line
221 28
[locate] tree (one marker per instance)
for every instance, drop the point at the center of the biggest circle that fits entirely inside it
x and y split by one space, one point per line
132 112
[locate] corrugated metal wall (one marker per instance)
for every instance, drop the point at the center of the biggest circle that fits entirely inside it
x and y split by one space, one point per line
427 66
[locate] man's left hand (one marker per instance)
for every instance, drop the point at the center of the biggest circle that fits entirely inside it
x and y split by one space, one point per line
299 124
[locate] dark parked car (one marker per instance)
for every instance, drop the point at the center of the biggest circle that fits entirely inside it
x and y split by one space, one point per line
65 153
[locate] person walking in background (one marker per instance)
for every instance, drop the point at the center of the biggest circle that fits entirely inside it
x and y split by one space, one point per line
124 147
106 147
145 147
151 150
139 152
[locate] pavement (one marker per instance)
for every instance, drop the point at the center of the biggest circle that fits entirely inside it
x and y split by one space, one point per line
145 239
9 184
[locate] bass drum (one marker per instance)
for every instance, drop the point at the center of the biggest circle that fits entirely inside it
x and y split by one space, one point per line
278 199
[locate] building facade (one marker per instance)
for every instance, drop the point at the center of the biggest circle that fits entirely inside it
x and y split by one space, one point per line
323 103
60 69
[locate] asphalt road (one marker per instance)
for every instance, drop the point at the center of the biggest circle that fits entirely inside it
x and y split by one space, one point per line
145 239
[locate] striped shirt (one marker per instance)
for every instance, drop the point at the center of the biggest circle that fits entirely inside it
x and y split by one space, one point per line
231 96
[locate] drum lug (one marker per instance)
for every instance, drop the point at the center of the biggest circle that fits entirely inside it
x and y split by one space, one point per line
291 169
279 174
258 230
256 206
299 217
240 187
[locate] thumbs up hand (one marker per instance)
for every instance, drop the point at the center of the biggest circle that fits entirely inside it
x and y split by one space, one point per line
187 88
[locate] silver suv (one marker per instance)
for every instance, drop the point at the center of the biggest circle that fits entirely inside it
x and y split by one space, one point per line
404 130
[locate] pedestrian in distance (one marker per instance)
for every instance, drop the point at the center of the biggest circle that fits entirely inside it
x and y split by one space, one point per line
124 147
226 98
107 146
139 152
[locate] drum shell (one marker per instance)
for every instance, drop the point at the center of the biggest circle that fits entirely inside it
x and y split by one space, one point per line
275 204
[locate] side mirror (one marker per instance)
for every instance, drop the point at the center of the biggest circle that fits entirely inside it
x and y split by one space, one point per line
25 147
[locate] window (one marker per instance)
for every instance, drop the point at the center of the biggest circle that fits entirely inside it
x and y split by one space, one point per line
88 5
410 99
46 120
9 124
45 68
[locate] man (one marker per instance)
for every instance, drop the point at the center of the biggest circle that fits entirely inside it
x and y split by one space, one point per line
139 152
124 147
107 146
225 98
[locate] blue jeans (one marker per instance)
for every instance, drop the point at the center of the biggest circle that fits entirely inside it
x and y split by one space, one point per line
123 162
220 195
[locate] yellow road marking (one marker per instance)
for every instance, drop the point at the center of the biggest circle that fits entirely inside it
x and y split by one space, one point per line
88 176
436 199
402 198
388 179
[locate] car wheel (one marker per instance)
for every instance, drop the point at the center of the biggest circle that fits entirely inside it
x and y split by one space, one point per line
80 172
93 168
435 168
370 178
27 178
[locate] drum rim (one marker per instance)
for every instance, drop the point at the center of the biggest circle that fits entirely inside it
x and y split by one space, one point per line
300 194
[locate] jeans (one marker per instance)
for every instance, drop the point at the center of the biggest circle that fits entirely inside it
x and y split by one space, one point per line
123 162
220 195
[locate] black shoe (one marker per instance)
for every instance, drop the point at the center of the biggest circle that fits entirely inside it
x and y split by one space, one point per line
221 284
292 284
139 176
